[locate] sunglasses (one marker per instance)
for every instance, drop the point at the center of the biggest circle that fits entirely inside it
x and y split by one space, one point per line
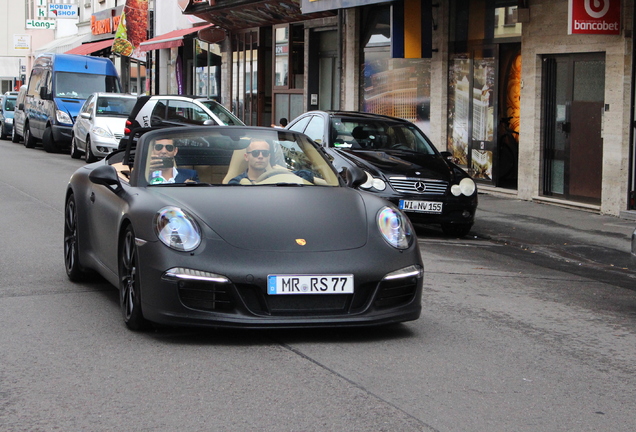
255 153
159 147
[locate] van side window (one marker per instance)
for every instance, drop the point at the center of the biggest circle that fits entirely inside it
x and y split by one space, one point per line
34 82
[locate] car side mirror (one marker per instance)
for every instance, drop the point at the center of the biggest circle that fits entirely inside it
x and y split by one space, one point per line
353 176
105 175
44 93
21 107
85 115
209 122
447 155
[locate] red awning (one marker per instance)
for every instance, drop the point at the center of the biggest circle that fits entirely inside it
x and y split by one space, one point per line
89 48
169 40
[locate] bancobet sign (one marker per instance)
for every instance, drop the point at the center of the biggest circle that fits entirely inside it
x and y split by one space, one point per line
594 17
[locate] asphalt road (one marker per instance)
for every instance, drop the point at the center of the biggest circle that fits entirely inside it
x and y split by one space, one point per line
507 341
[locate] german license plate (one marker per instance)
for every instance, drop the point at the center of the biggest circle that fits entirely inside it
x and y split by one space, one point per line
421 206
309 284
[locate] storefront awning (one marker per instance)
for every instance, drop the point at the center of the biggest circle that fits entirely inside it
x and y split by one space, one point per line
62 45
89 48
169 40
242 14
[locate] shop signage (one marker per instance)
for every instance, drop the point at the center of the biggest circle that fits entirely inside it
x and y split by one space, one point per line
106 21
594 17
40 24
63 11
21 42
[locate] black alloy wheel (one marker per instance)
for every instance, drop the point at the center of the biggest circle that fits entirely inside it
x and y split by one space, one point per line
129 284
74 270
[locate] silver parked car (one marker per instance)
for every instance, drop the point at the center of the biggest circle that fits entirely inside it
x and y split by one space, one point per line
17 132
100 125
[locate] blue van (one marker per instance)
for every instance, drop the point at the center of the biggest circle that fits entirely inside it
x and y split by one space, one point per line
58 87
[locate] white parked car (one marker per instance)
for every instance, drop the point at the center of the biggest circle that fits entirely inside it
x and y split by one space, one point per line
100 125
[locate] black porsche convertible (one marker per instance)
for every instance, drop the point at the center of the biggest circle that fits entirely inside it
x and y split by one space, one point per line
239 227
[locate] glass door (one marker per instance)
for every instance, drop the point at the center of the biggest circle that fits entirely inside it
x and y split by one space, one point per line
573 107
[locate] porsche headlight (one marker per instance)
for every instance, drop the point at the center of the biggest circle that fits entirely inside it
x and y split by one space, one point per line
176 229
373 182
466 186
100 131
395 228
63 117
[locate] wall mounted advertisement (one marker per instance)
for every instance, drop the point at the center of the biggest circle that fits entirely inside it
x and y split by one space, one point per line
483 117
459 108
594 17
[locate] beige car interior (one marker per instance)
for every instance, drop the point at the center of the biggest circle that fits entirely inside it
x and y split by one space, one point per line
222 174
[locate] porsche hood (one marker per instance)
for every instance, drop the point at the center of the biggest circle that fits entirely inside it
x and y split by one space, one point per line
279 218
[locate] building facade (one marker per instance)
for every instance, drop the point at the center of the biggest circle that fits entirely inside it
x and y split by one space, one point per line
534 98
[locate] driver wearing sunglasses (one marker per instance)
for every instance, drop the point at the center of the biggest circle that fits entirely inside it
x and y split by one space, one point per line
163 168
257 155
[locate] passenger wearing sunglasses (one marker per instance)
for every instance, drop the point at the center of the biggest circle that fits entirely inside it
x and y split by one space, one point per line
163 168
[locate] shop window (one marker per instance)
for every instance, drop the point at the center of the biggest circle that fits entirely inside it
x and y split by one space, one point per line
289 56
392 86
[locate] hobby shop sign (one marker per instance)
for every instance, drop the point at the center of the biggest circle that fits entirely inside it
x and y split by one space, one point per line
594 17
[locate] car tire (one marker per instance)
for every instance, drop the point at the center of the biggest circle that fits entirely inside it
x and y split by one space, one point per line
90 156
129 283
458 230
75 154
15 138
3 135
48 142
74 269
29 141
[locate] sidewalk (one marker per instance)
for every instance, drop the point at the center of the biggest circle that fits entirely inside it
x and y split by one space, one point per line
565 233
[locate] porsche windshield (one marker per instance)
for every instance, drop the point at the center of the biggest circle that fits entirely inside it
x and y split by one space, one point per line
361 134
234 156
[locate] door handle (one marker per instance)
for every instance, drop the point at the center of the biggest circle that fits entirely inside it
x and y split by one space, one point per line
92 198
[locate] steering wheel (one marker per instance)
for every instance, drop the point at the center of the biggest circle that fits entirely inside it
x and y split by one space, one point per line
280 176
400 146
271 173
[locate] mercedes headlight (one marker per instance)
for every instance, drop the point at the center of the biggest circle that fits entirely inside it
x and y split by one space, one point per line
100 131
176 229
373 182
466 186
395 228
63 117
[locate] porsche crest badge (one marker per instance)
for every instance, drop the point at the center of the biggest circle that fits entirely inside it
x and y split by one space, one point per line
301 242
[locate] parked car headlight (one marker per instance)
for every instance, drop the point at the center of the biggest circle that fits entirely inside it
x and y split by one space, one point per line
373 182
176 229
63 117
100 131
466 186
395 228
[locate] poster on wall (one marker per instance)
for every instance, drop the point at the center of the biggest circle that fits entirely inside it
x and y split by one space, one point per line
458 109
483 116
131 30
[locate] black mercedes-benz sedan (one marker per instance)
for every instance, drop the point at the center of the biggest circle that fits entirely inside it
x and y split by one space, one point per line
401 165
